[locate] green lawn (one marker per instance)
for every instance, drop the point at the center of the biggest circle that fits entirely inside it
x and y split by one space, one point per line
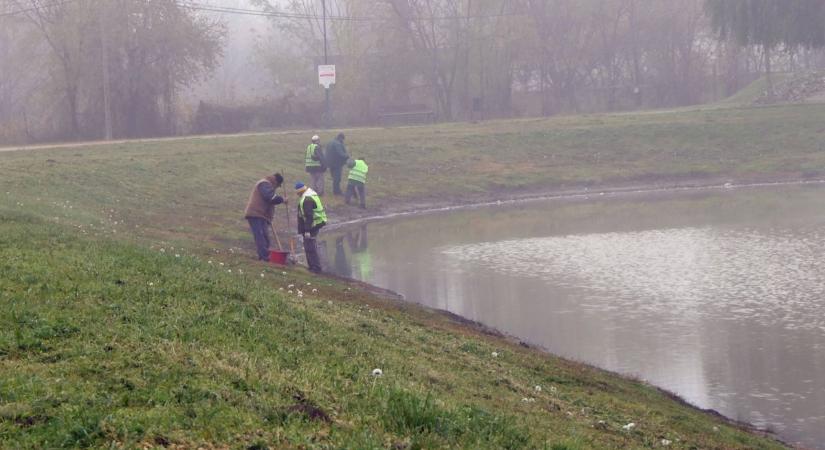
106 344
122 325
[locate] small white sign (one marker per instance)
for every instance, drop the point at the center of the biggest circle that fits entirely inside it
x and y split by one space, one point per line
326 75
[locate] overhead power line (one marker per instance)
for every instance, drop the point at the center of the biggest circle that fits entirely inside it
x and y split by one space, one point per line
289 15
35 8
283 15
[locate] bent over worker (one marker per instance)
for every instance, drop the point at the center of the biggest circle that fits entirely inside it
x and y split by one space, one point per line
311 218
314 165
260 210
357 180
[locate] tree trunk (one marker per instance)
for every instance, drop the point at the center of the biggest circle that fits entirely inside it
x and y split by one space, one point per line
768 77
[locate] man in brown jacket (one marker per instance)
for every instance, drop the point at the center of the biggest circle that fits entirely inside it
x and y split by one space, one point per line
260 210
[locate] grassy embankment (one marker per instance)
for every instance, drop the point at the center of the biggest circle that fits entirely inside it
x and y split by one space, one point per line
106 339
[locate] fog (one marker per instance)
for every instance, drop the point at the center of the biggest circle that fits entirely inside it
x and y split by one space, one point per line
85 70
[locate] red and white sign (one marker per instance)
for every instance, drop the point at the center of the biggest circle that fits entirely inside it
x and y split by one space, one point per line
326 75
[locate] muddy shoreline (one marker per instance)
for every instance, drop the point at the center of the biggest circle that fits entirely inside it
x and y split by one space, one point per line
580 191
562 193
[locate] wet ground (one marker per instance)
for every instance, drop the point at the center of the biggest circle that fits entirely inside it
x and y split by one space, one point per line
718 296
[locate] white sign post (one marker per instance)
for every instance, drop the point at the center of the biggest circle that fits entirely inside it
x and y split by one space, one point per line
326 75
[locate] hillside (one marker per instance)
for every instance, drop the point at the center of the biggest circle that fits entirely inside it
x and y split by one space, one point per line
134 316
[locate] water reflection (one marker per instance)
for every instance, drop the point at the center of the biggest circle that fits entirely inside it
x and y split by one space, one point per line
355 260
720 298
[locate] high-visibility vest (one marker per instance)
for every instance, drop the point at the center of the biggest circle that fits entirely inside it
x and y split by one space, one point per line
359 171
319 216
310 152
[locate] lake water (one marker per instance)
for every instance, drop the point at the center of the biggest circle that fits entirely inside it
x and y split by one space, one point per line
718 296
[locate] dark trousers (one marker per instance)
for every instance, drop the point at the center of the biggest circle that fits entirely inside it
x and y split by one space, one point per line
311 251
336 179
261 235
356 188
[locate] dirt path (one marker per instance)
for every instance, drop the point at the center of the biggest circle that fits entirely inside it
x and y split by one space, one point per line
70 145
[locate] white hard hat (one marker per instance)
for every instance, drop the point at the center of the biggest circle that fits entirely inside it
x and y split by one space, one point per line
316 138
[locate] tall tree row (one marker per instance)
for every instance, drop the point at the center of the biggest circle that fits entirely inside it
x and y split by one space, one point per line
96 68
546 57
103 67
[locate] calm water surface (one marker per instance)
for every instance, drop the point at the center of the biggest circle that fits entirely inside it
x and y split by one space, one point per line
717 296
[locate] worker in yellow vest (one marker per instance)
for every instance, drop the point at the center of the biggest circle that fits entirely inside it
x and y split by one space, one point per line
311 218
357 180
314 164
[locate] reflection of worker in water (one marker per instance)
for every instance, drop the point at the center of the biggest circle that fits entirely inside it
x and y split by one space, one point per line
342 266
361 258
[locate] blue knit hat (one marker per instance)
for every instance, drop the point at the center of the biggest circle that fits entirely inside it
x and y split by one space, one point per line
299 186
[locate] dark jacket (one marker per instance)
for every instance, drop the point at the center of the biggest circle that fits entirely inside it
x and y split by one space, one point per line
262 200
336 154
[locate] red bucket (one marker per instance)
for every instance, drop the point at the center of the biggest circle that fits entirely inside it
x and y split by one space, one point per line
277 257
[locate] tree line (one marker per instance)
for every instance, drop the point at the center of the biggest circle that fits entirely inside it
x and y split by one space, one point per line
88 69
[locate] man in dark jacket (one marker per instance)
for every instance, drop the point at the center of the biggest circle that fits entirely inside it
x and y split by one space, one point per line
314 164
335 157
260 210
311 218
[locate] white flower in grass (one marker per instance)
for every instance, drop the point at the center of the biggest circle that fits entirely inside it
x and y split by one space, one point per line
151 284
221 264
163 250
329 302
629 426
177 255
537 388
309 284
291 286
289 291
314 291
280 289
666 442
494 354
229 271
262 275
210 261
377 372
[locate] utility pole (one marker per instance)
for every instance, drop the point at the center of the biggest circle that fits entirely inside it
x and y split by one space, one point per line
327 110
107 104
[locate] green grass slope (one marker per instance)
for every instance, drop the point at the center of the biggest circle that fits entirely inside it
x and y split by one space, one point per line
121 325
751 93
110 345
197 188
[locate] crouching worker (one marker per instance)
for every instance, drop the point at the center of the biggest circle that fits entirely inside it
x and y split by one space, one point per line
311 218
260 210
357 180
